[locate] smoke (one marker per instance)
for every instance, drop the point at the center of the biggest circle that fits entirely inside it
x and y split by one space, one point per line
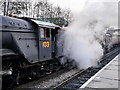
83 37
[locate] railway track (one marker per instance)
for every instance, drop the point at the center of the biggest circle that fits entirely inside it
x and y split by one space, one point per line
38 80
77 80
73 81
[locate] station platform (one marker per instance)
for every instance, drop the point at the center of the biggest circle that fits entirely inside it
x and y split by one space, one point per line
107 77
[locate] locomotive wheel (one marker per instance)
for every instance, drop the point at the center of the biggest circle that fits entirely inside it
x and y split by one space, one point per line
42 73
56 67
48 68
10 79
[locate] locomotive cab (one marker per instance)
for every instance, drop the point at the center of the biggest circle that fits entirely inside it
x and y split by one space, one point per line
47 39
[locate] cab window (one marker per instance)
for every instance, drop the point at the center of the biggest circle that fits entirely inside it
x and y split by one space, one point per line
47 33
44 33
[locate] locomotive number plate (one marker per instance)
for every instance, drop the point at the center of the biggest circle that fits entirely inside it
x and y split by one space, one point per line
45 44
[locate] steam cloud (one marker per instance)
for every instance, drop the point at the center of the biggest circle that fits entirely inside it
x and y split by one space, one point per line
82 38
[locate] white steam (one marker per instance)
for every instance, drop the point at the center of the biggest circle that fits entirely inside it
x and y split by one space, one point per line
82 38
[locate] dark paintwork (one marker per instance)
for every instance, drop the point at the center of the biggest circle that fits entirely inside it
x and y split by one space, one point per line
21 36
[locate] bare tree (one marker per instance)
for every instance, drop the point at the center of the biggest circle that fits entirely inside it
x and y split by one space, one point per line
42 9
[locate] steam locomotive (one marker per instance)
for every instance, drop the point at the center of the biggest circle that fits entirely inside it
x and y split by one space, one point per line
112 39
29 48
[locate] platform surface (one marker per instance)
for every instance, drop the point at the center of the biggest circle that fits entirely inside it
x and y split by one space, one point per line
107 77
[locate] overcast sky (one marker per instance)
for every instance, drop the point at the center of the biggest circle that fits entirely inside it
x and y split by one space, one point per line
76 5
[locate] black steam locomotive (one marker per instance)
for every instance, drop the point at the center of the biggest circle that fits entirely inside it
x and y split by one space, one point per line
29 48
